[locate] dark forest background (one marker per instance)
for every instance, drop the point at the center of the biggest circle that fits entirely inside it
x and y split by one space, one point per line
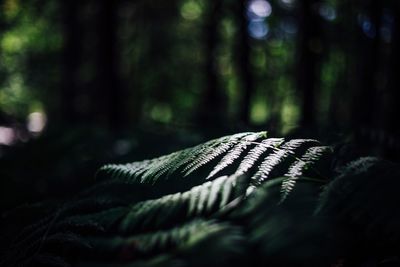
93 81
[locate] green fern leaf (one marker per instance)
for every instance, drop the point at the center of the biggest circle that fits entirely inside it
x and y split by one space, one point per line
310 157
213 152
177 219
176 240
255 154
235 152
149 171
282 153
199 201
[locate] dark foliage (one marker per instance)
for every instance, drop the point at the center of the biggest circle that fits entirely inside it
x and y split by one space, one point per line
239 200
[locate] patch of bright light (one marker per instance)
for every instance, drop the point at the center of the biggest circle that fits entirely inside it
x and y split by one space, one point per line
36 122
7 136
258 29
260 8
191 10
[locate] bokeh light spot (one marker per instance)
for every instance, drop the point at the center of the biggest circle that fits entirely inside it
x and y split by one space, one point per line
191 10
36 122
258 29
327 12
260 8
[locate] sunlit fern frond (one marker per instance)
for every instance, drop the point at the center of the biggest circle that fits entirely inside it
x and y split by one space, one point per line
188 160
286 152
236 151
213 152
296 170
255 154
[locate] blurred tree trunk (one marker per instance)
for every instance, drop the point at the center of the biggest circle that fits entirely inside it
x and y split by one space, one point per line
212 110
71 60
243 62
368 72
309 49
3 116
108 95
392 95
344 38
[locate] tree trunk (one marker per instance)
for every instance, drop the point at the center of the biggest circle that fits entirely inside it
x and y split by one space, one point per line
109 96
309 49
391 107
365 98
71 60
244 64
212 105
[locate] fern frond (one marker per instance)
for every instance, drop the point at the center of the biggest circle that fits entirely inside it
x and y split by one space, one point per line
188 155
207 239
162 240
365 194
213 152
149 171
125 218
273 157
255 154
199 201
342 185
310 157
235 152
284 152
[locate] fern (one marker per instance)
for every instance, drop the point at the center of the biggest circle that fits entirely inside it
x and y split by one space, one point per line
121 216
148 171
255 154
311 156
243 150
285 151
235 153
200 200
213 152
162 240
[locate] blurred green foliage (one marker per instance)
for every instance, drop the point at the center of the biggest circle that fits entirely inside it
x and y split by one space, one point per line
160 57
